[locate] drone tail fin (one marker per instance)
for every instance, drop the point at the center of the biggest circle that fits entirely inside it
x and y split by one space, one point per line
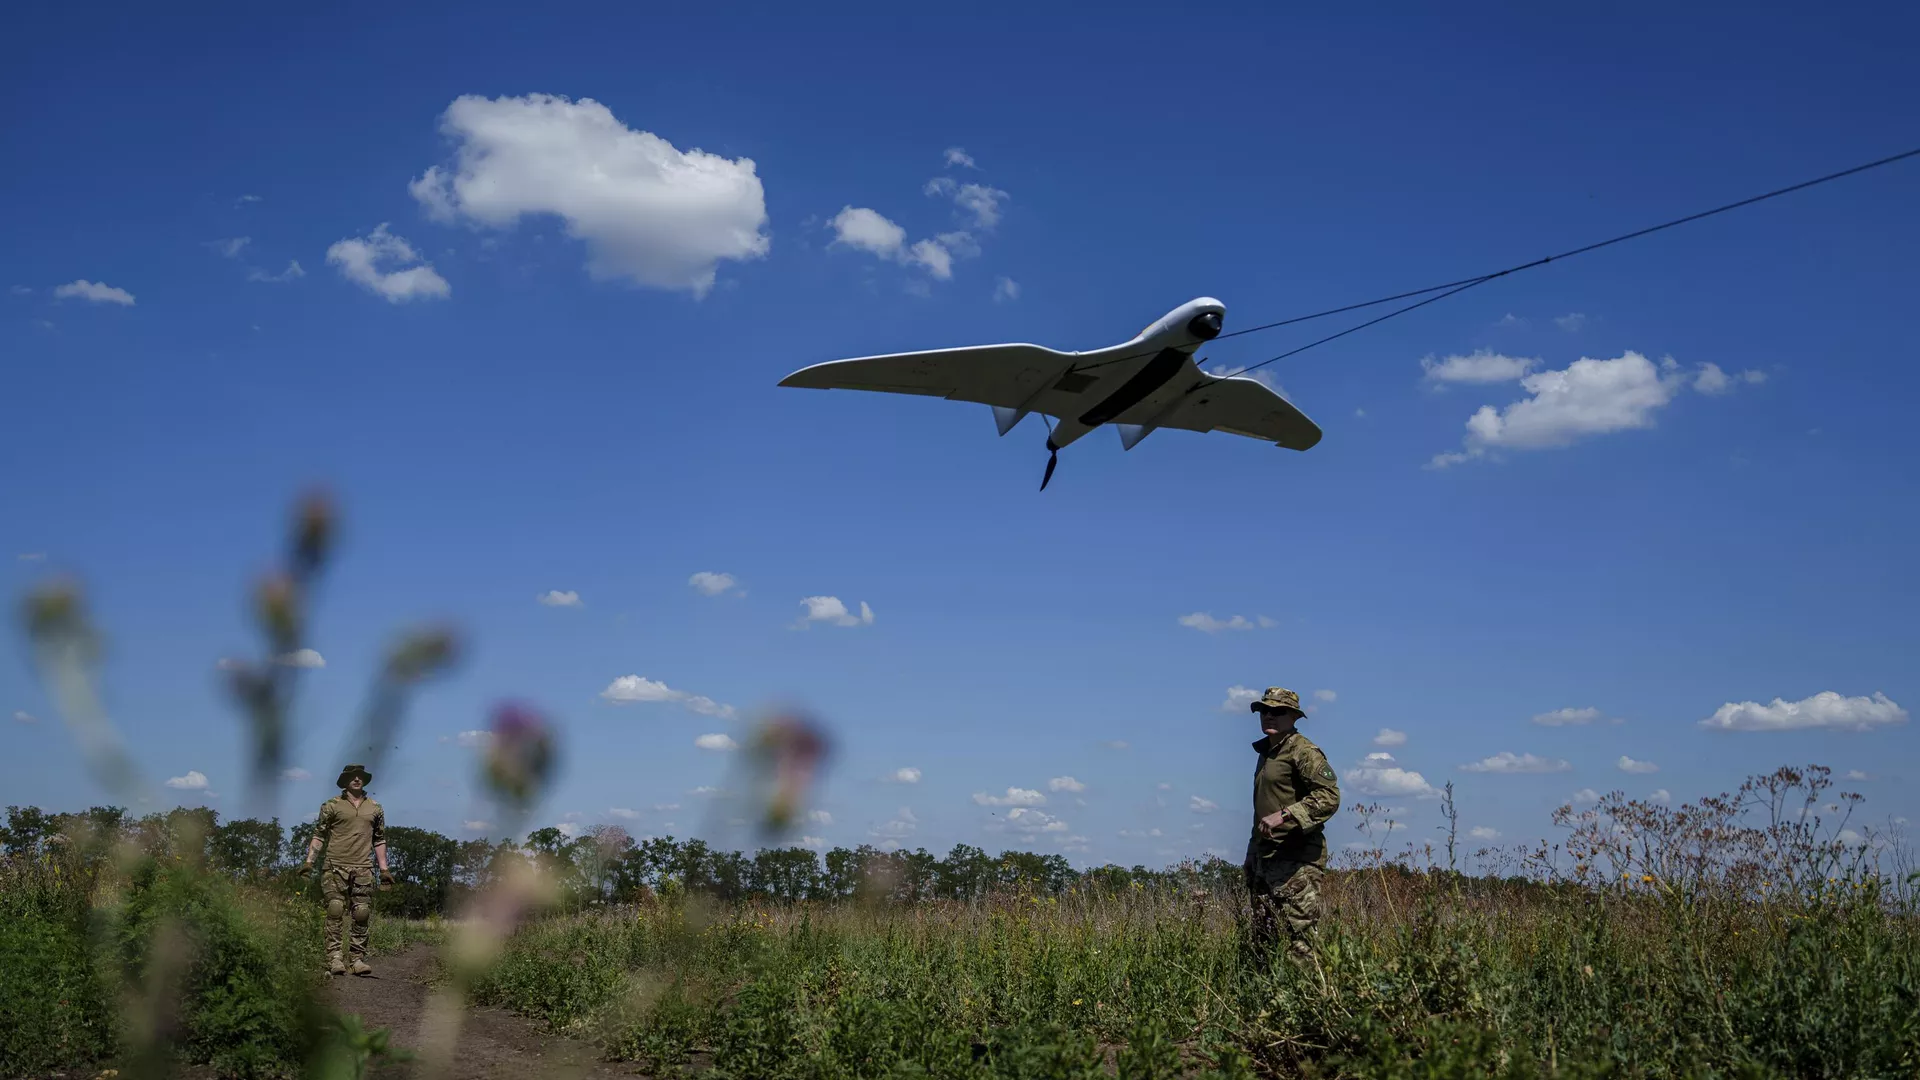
1131 434
1005 418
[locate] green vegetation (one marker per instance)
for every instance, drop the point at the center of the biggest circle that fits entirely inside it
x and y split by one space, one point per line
1654 941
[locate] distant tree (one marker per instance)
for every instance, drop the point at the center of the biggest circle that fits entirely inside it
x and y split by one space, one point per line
965 874
26 829
787 875
246 847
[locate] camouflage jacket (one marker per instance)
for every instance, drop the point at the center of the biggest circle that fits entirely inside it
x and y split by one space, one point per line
351 832
1293 777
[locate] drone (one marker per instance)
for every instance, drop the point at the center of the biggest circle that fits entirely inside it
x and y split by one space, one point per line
1148 382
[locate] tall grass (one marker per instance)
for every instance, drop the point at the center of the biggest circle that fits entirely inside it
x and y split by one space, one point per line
1420 972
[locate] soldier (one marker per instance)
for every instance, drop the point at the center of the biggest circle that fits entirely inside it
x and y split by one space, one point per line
354 829
1294 795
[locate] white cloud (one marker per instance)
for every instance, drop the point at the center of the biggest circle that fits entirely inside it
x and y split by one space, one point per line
623 813
1325 695
1202 806
982 202
1711 380
568 829
1661 796
359 260
1014 797
716 741
829 609
556 598
1826 710
901 826
628 689
246 199
817 843
32 556
1856 775
1066 783
1509 762
711 583
957 156
1117 744
1024 820
868 230
476 826
1589 397
1478 367
819 817
296 774
1510 319
1570 322
193 781
1206 623
1586 795
1482 832
1006 288
1629 765
647 211
301 658
230 248
1390 737
1565 717
292 271
1239 698
20 290
474 739
25 717
907 775
98 292
1378 775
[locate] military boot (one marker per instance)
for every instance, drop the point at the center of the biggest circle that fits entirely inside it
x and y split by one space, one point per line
360 967
335 967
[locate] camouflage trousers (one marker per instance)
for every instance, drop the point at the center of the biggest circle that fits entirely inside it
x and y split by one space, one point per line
1284 894
349 895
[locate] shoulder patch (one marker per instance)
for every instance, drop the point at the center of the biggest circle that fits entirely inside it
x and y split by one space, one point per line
1326 771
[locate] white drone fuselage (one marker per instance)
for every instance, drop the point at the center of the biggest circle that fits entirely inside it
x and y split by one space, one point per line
1147 377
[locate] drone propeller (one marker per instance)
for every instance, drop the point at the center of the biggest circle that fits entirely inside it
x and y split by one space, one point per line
1053 458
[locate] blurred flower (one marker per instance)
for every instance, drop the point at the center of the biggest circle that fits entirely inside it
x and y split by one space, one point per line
790 747
313 530
276 603
55 614
520 755
420 654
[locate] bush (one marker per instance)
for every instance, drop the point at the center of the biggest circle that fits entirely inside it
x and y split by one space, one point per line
58 1009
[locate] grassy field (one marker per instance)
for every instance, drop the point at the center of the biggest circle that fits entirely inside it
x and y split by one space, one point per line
1691 941
1419 975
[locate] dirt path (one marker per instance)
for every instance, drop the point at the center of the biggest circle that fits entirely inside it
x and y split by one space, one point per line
494 1043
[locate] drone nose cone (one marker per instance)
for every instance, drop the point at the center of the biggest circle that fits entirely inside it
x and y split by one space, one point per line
1205 326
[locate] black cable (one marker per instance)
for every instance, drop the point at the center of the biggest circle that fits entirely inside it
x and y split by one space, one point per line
1464 284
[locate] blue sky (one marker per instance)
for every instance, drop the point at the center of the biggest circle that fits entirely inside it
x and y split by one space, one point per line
534 349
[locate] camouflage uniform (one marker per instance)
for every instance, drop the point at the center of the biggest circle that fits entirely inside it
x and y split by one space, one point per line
351 833
1293 787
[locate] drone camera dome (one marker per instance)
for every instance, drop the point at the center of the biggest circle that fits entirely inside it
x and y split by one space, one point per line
1205 326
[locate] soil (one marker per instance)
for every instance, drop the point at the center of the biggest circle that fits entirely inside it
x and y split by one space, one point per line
494 1043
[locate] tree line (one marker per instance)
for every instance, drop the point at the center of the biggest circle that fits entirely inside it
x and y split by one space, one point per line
432 873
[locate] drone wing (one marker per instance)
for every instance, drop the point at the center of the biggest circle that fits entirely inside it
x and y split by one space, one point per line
1239 405
1007 376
